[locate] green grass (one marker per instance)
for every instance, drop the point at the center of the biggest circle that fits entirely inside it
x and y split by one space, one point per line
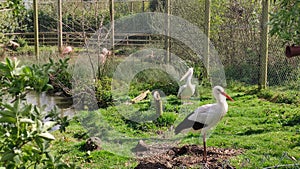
268 131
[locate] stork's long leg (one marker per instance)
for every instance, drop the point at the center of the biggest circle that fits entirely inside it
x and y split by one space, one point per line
204 148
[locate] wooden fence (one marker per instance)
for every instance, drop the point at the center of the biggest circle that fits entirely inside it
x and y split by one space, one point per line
81 38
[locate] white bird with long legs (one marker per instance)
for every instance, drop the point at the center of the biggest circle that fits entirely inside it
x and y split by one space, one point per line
188 89
207 116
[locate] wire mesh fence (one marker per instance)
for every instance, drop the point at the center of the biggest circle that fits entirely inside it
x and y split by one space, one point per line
235 32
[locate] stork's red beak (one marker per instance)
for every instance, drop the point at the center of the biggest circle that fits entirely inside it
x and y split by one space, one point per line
227 96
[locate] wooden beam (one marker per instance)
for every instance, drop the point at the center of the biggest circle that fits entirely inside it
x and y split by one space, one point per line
264 44
131 7
143 6
59 26
112 23
207 33
36 29
132 0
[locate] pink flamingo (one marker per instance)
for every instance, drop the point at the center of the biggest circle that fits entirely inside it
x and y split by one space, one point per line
104 55
67 50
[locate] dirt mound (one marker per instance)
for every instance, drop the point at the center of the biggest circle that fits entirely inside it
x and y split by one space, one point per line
189 156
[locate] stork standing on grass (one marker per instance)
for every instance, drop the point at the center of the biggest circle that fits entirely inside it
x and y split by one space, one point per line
206 116
188 89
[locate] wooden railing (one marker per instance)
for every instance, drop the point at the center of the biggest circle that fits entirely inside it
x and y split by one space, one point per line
81 38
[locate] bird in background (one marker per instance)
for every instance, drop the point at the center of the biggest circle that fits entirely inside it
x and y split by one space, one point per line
105 52
207 116
188 89
67 50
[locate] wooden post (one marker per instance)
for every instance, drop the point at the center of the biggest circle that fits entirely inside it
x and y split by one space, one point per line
36 29
264 44
206 31
112 23
59 26
158 103
131 7
167 37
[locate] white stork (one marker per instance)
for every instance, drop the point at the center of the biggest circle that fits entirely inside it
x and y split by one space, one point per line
206 116
188 89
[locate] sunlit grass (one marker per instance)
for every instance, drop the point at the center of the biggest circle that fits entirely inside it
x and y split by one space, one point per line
268 132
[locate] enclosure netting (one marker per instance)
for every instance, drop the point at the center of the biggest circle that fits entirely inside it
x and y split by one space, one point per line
235 32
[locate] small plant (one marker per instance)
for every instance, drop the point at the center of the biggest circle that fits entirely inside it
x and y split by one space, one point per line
63 122
22 42
166 119
103 92
60 76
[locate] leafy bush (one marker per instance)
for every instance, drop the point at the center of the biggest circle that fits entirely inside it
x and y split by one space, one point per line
15 79
24 133
22 42
60 76
103 92
284 20
166 119
25 138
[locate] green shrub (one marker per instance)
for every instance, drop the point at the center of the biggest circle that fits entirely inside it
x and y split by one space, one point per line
60 76
24 132
22 42
103 92
15 79
166 119
25 138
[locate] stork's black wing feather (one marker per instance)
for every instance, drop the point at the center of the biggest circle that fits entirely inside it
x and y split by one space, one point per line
187 123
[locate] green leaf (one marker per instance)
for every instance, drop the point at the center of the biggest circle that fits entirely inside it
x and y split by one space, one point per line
39 125
26 110
26 120
7 113
17 105
47 87
8 120
47 136
9 107
26 70
17 159
50 156
48 125
7 156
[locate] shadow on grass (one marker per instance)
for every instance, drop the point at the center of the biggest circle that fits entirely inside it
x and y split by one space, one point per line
253 131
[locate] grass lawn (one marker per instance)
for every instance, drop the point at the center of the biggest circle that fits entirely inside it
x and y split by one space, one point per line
265 124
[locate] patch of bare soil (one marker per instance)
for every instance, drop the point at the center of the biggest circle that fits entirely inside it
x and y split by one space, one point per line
189 156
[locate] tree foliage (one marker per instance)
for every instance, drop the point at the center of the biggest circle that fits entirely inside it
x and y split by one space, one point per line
285 20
